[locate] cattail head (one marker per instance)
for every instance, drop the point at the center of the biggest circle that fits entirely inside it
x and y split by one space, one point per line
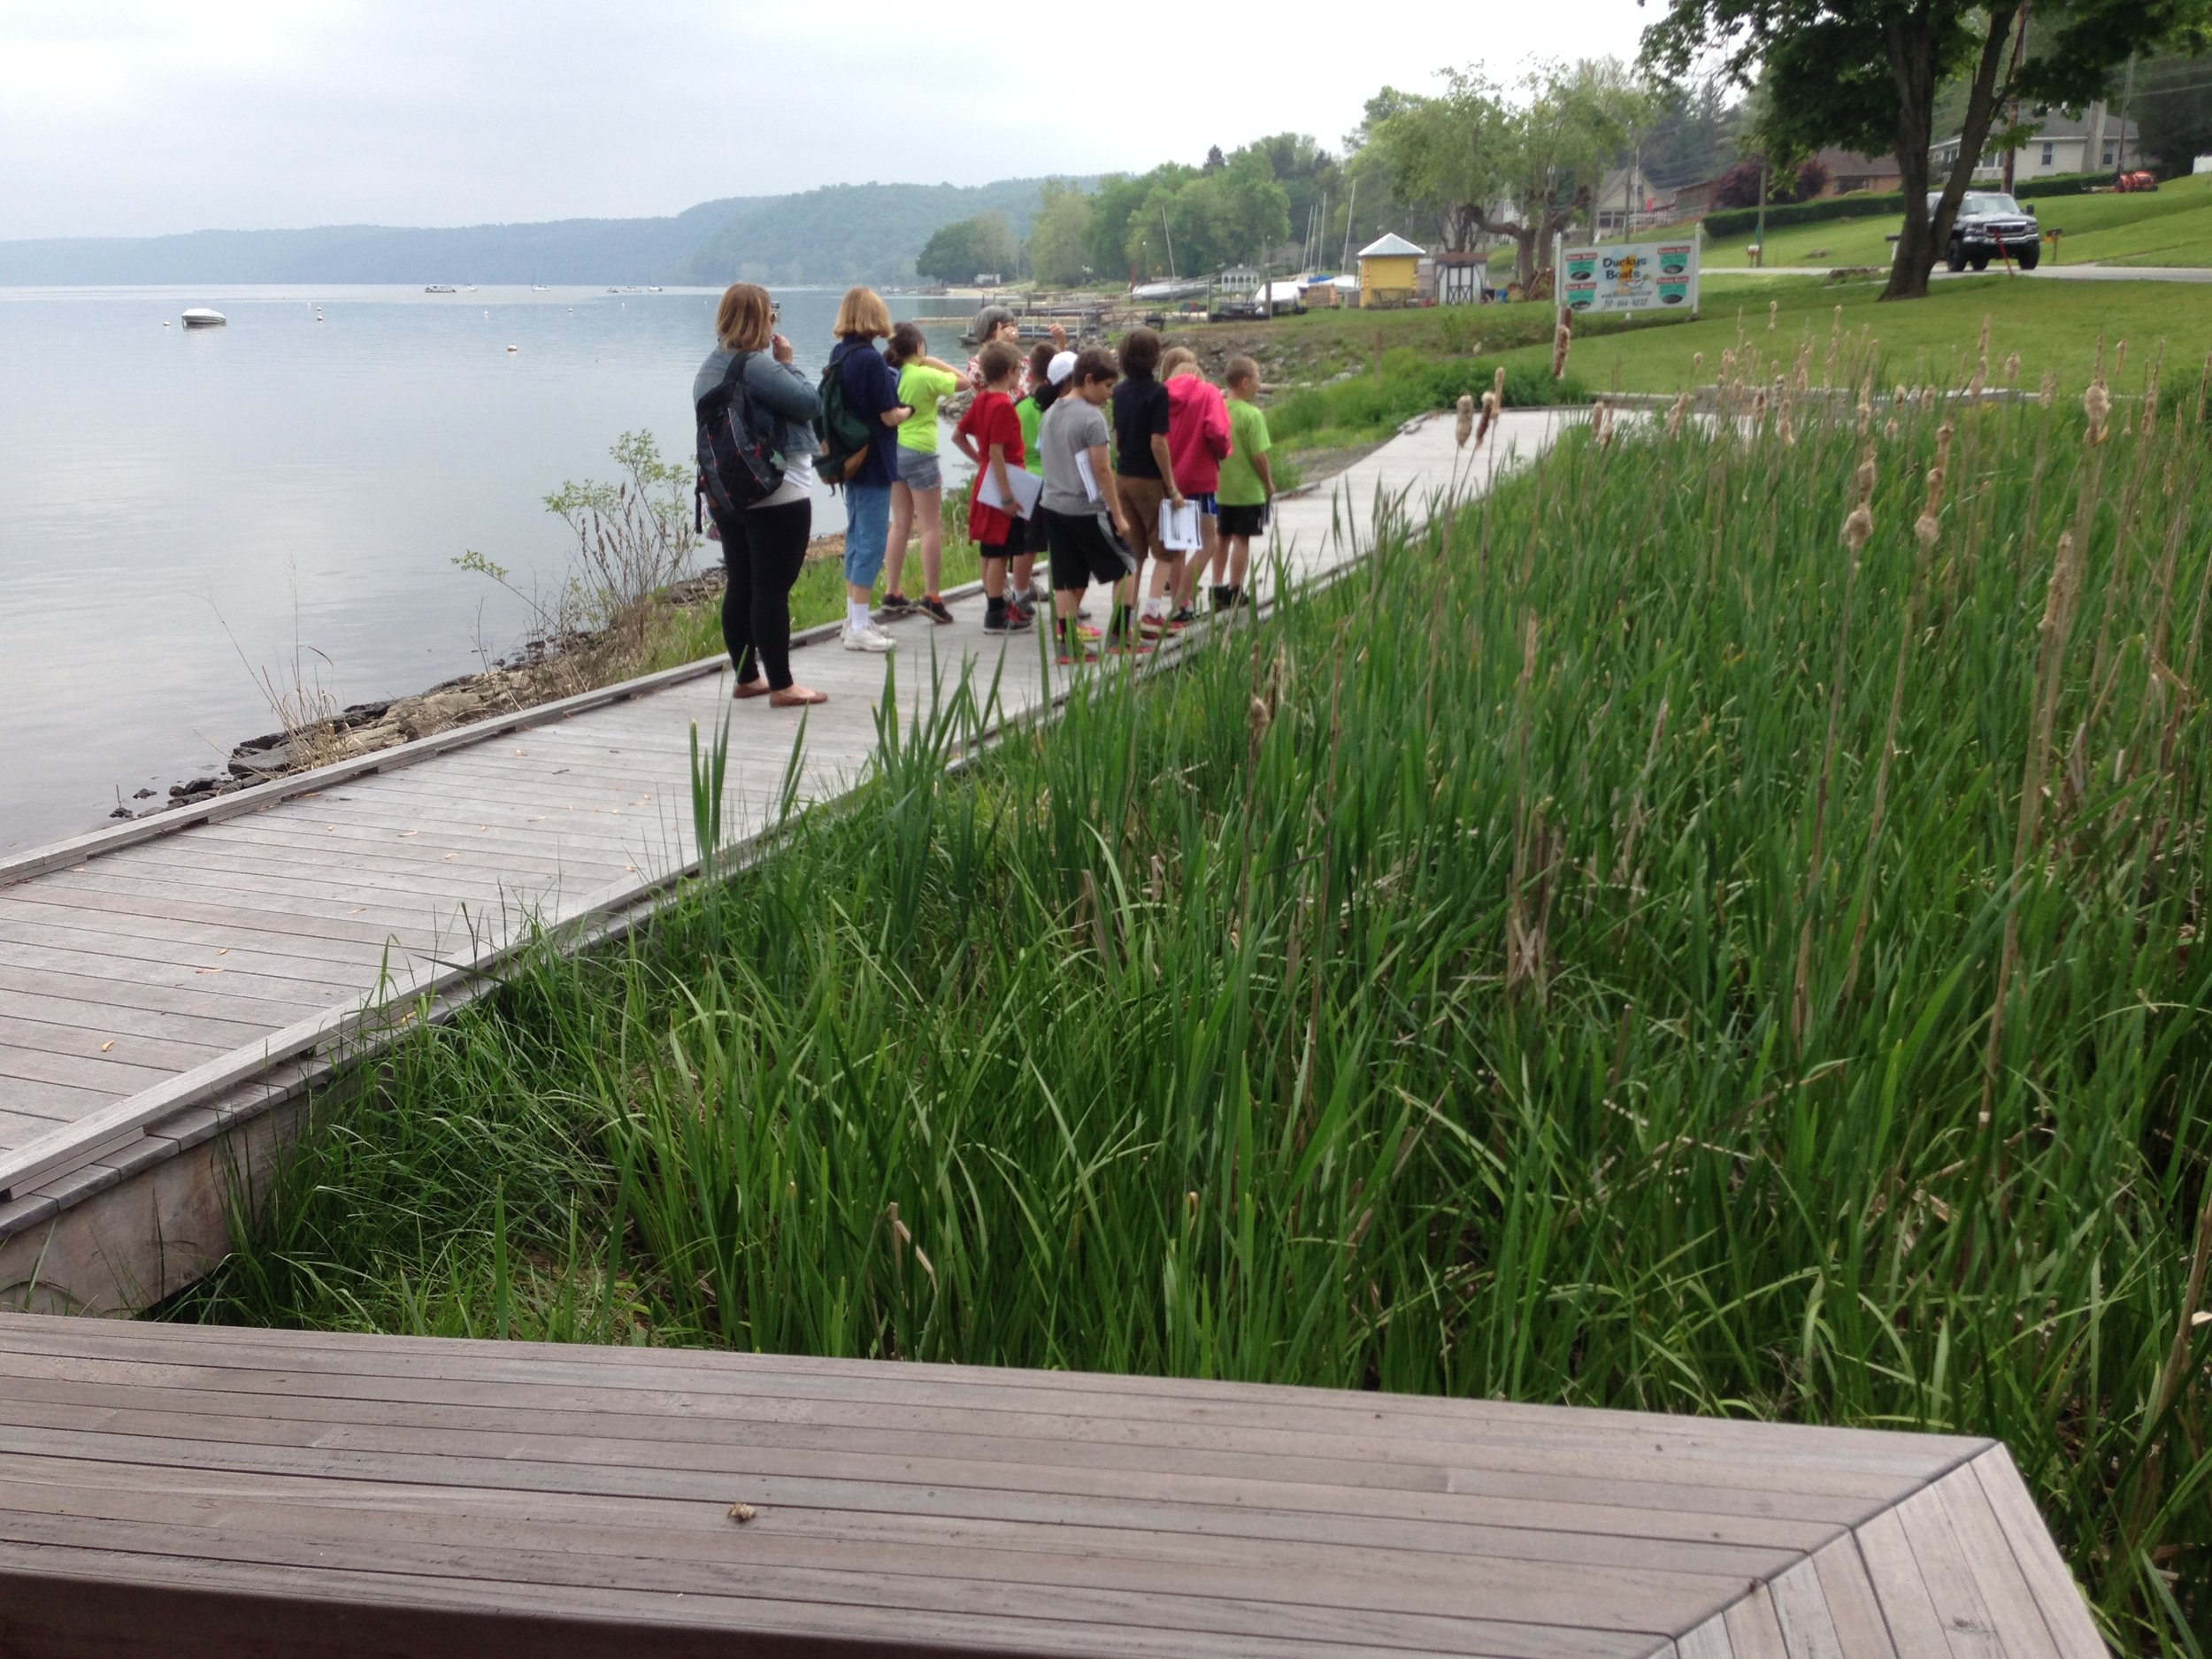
1889 430
2096 402
2046 391
1489 416
1863 480
1497 385
1774 315
1562 342
1697 361
1465 426
1783 425
2012 370
1677 414
1602 423
1929 522
1927 398
1866 404
1759 407
1858 528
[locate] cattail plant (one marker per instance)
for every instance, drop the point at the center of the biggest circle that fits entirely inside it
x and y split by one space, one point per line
1464 428
1562 341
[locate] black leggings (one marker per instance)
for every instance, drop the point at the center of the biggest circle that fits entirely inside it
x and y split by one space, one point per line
763 549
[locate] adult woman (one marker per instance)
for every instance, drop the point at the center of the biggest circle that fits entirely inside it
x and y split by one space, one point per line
871 387
763 547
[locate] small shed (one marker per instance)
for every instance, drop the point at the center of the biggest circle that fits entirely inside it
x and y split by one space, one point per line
1389 273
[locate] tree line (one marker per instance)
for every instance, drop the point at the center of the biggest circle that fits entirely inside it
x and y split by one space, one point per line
1475 161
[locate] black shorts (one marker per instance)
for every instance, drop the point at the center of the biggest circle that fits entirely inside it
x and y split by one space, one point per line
1245 521
1034 530
1005 549
1083 550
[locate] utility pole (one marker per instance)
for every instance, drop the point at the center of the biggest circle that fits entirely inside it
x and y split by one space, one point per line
1762 243
2127 100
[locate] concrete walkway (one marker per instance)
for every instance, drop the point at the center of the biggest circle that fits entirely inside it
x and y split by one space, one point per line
164 982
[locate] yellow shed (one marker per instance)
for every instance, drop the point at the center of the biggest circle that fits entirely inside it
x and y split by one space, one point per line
1389 273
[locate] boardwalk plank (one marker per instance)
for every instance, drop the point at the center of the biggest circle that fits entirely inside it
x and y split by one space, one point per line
2021 1631
2060 1600
1851 1603
1916 1627
87 1041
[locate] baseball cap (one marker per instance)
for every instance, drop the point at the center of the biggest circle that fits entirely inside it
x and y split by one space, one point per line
1062 366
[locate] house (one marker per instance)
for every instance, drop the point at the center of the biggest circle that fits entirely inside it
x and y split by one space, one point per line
1626 201
1389 273
1849 173
2096 141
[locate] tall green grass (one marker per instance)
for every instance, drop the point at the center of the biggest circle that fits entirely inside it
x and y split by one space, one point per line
1620 945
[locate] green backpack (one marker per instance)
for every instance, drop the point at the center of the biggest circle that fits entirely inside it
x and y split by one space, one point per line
844 437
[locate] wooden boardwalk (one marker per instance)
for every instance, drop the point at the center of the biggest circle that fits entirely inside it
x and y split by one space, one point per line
186 1491
162 982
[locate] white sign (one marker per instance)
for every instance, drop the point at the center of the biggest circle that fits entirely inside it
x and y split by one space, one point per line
1630 276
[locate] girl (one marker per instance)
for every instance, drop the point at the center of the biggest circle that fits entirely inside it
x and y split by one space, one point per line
990 435
870 390
763 547
919 495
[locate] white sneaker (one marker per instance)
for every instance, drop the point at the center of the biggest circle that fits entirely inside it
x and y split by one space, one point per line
870 638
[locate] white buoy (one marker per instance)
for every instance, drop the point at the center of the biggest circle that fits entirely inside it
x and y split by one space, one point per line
514 347
165 322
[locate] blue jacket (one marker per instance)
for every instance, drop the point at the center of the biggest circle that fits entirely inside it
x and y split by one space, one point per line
777 388
872 386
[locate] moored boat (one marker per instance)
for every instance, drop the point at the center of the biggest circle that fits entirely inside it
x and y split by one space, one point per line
201 317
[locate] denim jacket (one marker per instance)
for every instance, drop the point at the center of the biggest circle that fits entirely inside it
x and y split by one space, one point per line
778 387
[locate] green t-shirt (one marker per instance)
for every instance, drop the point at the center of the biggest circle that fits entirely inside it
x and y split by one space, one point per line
924 388
1027 411
1241 485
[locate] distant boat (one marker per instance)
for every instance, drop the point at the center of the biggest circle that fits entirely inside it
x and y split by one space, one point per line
439 287
540 287
200 317
654 289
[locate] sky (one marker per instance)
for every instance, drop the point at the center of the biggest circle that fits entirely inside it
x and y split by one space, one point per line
122 118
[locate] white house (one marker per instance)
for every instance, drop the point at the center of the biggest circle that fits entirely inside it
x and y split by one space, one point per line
2096 141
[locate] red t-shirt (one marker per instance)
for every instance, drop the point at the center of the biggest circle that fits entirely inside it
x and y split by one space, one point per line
991 419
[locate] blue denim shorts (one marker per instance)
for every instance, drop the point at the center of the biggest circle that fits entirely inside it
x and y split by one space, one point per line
867 531
918 469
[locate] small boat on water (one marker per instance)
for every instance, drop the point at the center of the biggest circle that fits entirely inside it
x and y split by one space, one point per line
201 317
438 287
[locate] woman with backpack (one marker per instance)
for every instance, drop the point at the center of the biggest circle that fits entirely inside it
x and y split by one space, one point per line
765 544
863 419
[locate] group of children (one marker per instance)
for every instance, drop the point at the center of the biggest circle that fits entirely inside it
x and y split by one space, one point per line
1102 487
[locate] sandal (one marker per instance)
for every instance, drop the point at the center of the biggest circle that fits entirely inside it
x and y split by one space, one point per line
749 688
795 697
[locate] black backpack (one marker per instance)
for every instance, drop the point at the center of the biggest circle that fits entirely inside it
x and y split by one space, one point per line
737 463
844 437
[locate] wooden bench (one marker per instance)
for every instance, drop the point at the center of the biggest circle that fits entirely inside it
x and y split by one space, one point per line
173 1490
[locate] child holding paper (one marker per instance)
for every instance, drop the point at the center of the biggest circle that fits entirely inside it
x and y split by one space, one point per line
990 435
1198 442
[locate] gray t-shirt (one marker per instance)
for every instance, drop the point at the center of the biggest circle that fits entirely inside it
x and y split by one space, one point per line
1070 427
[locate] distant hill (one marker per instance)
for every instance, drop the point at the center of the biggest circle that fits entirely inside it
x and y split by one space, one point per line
840 234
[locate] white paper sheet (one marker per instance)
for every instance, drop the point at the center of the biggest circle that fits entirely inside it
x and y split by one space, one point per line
1090 477
1178 527
1026 485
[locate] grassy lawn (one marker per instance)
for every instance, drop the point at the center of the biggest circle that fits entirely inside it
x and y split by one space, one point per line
2052 326
1621 947
2172 226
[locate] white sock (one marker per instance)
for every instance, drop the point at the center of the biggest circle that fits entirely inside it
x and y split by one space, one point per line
855 614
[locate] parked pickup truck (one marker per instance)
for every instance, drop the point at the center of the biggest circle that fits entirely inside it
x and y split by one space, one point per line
1988 221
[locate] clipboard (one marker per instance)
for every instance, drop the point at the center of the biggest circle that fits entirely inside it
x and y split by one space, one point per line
1027 488
1090 476
1178 527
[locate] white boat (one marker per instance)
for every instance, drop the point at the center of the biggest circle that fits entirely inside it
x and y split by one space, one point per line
200 317
437 288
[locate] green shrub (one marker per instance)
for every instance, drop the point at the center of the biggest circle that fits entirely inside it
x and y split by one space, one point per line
1737 221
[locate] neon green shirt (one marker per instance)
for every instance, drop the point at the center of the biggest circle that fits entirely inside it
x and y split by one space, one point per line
1241 485
1026 411
924 388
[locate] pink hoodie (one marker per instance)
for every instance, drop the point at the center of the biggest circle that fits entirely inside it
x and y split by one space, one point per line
1197 432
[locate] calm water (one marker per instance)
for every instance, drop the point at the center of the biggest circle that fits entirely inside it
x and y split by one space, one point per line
181 510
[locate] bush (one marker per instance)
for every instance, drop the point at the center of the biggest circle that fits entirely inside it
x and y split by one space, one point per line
1735 221
2063 184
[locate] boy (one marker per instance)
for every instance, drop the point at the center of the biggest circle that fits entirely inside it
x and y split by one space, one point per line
1246 486
1147 475
1074 438
1030 410
990 436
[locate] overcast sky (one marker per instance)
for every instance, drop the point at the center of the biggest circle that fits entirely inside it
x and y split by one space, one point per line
129 118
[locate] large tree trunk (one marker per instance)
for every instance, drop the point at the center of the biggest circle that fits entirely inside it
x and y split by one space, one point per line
1911 44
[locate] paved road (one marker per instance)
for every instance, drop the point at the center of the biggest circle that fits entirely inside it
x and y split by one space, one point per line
2043 273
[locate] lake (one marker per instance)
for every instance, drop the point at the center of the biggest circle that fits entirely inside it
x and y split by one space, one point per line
180 510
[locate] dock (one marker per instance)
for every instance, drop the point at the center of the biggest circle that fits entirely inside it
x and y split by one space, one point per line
171 989
188 1491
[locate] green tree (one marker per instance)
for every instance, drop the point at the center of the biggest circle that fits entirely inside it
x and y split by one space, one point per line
1059 240
1476 163
1126 235
1866 74
961 251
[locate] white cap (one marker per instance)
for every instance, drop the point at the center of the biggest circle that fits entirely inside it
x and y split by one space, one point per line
1062 366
